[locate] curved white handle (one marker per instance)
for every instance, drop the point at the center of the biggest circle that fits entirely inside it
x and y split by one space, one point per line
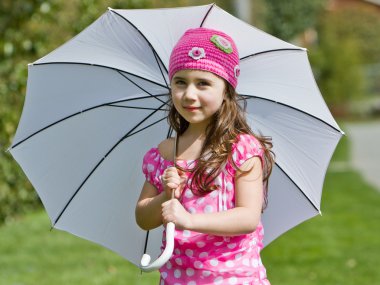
166 254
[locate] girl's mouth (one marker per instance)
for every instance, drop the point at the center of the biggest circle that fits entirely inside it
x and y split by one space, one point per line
191 108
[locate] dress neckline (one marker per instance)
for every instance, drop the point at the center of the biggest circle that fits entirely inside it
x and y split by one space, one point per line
171 161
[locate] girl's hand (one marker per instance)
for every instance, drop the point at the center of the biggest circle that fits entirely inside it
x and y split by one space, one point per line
173 211
173 180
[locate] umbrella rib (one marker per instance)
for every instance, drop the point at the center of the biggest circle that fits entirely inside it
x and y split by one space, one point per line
208 12
295 184
154 51
159 66
296 109
105 156
99 65
131 107
272 50
134 83
84 111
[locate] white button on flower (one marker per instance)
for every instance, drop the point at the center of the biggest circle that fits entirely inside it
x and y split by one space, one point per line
197 53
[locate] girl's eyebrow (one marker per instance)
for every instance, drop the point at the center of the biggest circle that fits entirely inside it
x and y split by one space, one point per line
178 77
197 78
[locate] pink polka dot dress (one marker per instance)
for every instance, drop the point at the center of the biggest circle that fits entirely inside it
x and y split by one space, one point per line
200 259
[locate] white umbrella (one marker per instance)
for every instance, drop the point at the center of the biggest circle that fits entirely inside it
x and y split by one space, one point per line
96 104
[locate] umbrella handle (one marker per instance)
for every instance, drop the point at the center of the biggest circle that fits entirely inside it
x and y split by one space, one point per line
166 254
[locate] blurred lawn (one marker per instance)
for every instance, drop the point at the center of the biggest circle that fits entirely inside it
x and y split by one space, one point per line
341 247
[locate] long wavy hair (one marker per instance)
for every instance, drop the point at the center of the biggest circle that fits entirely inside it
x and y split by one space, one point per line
221 133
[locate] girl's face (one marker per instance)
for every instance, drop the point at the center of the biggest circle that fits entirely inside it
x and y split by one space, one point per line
197 95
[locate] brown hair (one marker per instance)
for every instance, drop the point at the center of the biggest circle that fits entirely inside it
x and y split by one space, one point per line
227 123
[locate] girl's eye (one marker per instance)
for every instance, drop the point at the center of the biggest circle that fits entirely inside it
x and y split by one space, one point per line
204 83
180 82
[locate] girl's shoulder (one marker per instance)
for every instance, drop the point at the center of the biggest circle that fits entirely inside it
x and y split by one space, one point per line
247 141
163 151
166 149
246 146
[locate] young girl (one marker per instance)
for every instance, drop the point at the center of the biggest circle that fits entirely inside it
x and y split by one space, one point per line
218 172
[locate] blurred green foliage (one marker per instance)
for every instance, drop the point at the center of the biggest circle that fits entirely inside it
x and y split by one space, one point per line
347 44
287 19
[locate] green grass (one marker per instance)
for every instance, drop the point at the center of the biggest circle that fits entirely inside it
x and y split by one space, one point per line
341 247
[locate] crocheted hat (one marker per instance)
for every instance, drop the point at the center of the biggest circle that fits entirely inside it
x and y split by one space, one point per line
208 50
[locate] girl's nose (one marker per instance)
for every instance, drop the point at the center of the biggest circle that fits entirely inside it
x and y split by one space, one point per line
190 92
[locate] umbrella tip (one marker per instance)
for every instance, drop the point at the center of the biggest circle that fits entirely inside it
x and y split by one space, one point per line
110 9
320 212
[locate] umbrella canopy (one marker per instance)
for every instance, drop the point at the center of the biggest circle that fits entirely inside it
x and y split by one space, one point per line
96 104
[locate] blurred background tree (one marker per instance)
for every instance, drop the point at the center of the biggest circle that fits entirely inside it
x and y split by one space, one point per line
288 19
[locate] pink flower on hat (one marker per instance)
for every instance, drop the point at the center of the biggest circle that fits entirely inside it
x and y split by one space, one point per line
197 53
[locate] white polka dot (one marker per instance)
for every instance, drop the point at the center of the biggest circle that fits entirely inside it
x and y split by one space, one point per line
246 262
218 243
214 262
206 273
230 263
229 186
255 262
189 271
192 210
200 244
232 280
168 265
218 280
189 194
177 251
203 254
238 256
164 275
208 209
198 264
178 261
214 194
200 200
231 245
150 167
186 233
189 252
239 271
192 283
177 273
162 282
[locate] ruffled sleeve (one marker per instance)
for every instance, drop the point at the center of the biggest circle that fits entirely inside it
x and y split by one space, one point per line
246 147
153 167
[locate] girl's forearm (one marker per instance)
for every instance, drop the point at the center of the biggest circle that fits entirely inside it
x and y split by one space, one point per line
237 221
148 212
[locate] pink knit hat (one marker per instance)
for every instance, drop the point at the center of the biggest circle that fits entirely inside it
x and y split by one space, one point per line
206 49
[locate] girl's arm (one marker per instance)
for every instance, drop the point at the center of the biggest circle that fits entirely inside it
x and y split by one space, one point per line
242 219
148 207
